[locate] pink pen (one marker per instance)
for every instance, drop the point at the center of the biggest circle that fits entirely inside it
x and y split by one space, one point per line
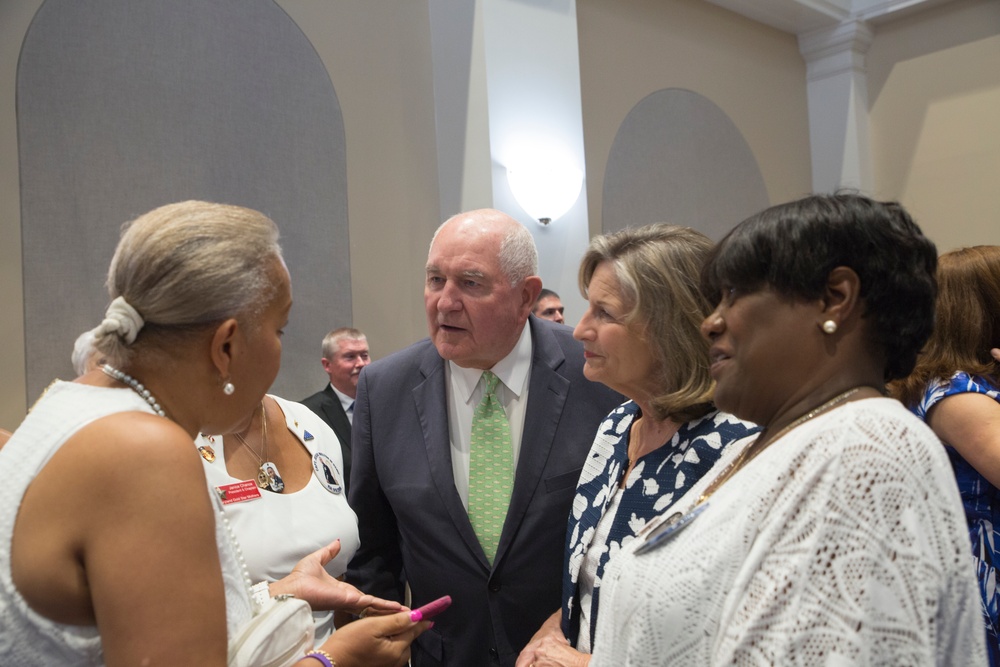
430 609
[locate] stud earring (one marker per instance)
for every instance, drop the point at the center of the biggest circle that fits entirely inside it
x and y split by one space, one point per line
829 327
228 389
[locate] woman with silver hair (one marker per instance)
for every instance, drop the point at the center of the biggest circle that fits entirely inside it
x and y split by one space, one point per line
113 551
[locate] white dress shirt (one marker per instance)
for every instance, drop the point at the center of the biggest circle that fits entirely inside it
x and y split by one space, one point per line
465 391
346 402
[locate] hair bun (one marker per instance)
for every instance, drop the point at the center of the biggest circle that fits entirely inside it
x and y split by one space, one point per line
120 319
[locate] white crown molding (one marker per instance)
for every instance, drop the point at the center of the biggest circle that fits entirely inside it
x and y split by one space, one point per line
832 51
792 16
804 16
881 11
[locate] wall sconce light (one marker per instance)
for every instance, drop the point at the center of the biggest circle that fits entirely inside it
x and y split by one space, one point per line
546 188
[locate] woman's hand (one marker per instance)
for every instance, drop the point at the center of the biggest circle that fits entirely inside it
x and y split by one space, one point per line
382 641
549 648
552 651
311 582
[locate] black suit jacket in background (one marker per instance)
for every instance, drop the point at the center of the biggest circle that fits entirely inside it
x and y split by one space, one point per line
327 405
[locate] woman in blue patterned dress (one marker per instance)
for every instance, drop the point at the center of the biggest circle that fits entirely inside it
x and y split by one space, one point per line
641 337
955 388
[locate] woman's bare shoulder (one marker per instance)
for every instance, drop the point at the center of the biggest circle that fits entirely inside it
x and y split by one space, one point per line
127 455
139 437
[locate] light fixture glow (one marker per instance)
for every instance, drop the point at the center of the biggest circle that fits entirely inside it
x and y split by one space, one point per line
545 188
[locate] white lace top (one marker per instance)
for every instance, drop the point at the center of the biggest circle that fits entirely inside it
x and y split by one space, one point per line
26 638
842 543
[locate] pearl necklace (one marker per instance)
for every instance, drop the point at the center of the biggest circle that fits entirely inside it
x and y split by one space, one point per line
138 388
135 386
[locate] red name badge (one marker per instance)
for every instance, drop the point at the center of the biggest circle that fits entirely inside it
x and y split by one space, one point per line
238 492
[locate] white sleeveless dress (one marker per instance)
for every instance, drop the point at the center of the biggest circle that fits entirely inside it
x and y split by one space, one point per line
26 638
276 530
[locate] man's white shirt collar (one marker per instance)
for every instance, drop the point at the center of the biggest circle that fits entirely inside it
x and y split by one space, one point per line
345 400
512 370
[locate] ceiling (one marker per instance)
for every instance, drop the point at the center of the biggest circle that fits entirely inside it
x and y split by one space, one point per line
800 16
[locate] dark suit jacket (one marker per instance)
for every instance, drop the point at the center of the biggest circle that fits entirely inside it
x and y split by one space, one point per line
414 527
327 405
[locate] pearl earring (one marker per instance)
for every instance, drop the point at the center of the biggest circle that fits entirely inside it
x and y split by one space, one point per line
829 327
228 389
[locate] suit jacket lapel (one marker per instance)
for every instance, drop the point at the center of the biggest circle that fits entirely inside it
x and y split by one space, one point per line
431 400
547 392
335 413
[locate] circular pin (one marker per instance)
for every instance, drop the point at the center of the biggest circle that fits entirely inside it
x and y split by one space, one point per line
327 473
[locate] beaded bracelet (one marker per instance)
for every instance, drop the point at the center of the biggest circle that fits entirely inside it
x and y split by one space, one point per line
323 657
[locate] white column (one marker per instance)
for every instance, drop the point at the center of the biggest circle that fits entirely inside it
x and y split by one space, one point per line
507 75
460 111
838 106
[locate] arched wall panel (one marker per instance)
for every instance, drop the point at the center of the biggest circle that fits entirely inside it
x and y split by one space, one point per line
678 158
124 105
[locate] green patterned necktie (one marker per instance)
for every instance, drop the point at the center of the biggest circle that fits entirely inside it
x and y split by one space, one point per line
491 473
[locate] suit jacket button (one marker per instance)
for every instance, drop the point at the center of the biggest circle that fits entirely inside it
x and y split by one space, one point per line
495 586
494 653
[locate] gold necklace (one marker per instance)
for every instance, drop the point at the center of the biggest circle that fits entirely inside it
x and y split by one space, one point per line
659 531
745 457
265 479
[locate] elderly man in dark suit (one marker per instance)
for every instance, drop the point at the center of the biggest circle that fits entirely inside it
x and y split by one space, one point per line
345 353
463 479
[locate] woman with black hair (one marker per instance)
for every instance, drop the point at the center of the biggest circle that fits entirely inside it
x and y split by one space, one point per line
835 536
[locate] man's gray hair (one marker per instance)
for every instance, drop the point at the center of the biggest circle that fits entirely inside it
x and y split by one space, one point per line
331 342
518 256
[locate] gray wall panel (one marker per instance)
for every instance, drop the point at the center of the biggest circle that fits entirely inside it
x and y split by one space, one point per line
678 158
124 105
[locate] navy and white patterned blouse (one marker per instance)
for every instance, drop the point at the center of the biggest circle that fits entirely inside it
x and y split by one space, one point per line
982 505
658 479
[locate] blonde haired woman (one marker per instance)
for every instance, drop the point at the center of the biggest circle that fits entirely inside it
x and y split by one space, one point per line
641 337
